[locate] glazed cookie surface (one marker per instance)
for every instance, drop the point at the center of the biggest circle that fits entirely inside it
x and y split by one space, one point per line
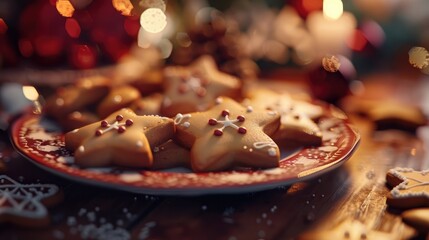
296 116
410 188
195 88
229 135
118 97
123 138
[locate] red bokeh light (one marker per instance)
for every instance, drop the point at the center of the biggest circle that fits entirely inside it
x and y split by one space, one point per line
3 26
72 28
358 42
25 47
83 56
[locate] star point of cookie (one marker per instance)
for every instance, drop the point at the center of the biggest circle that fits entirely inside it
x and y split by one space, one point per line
229 135
410 187
348 229
123 138
296 116
194 88
22 203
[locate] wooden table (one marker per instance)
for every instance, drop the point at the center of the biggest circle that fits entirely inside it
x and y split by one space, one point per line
355 191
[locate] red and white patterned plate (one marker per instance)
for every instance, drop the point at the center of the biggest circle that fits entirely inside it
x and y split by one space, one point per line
42 142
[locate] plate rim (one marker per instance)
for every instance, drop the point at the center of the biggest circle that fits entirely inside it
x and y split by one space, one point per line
187 190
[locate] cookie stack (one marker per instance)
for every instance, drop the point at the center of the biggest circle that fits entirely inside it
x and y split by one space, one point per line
203 119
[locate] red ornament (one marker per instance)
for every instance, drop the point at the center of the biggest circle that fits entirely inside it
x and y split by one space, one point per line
83 56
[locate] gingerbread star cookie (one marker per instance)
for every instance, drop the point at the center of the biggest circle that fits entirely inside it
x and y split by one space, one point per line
195 88
229 135
77 119
149 105
386 113
84 93
123 138
23 204
296 116
119 97
410 188
170 155
350 230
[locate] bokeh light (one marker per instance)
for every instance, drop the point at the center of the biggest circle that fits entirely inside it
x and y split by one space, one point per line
183 39
25 47
419 57
358 41
83 57
153 20
3 26
72 28
331 63
125 7
30 93
65 8
332 9
153 4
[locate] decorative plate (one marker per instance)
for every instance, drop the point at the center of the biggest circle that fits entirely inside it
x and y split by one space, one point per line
42 142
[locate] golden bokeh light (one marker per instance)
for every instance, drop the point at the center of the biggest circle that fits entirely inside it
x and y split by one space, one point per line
332 9
153 20
123 6
65 8
331 63
30 93
418 57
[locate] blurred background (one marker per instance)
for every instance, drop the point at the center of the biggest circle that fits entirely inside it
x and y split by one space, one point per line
332 42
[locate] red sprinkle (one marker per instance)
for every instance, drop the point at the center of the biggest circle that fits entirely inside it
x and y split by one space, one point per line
225 112
242 130
218 132
241 118
129 122
119 118
122 129
98 133
212 121
104 123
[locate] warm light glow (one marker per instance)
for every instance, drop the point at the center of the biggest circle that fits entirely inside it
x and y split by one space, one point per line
30 93
332 9
358 41
331 63
123 6
65 8
153 4
153 20
419 57
166 47
311 5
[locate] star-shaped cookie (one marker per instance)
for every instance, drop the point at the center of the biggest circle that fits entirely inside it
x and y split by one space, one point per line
22 203
123 138
350 230
119 97
195 88
77 97
410 187
296 116
229 135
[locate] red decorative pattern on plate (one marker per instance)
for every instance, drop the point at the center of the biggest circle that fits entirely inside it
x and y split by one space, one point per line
42 143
